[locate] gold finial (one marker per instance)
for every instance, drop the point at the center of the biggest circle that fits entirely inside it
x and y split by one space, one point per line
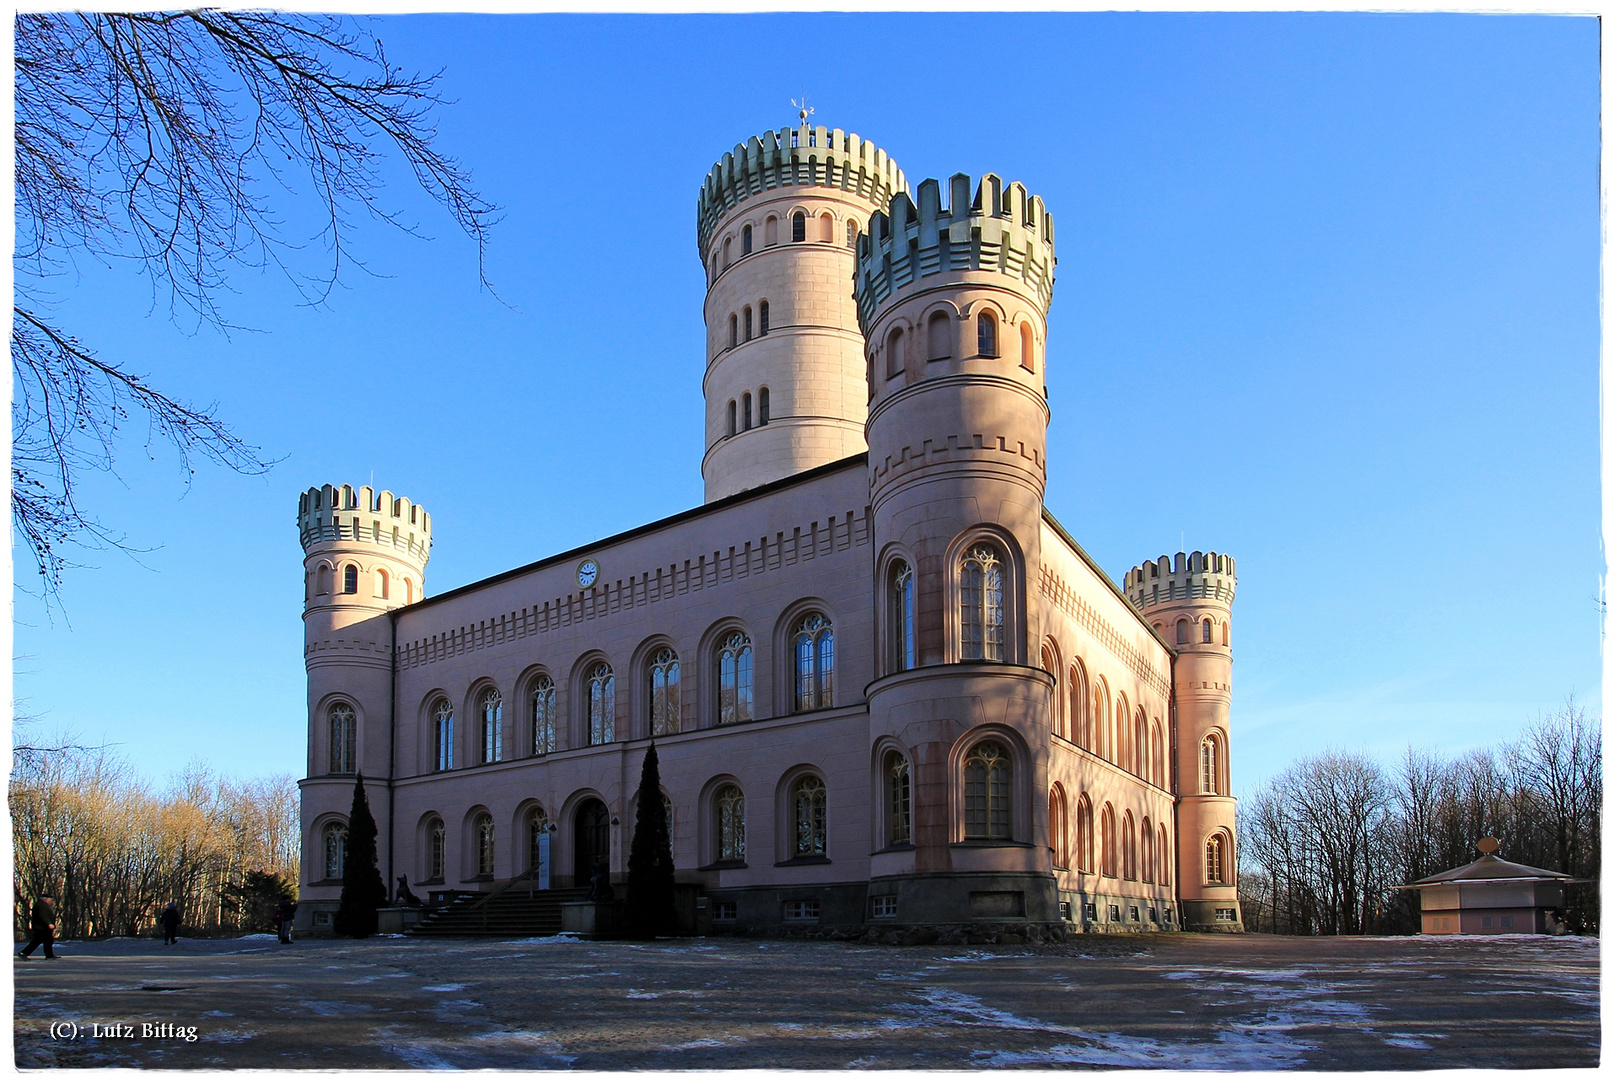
1489 845
806 110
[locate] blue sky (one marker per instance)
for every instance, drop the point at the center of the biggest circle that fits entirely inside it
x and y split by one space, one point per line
1327 299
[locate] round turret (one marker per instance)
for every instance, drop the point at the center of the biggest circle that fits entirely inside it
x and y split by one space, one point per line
777 221
363 551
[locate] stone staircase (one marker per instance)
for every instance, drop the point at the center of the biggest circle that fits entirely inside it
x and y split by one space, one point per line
508 912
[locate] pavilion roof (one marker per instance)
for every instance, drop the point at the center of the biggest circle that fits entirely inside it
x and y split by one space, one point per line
1490 868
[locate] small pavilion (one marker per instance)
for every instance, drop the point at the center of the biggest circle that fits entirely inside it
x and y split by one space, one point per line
1491 896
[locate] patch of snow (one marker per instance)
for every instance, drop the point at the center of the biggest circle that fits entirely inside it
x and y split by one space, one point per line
445 988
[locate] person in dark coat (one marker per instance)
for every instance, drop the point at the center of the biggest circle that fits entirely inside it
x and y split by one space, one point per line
44 929
285 913
170 921
599 886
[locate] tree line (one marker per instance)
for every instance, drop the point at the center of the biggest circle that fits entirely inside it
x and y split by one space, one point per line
114 851
1323 844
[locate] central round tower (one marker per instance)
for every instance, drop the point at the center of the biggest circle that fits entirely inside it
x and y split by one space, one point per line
778 222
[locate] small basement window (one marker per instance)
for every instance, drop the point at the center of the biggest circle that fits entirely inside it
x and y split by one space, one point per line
883 907
1226 914
726 910
801 909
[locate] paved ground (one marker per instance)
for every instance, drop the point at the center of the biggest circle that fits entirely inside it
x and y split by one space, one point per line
1173 1001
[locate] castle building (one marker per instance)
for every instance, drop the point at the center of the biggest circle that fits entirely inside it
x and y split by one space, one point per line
886 687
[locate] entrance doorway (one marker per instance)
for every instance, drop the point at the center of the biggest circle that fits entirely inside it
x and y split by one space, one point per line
591 839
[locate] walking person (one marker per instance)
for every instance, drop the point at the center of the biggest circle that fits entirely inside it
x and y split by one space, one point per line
44 929
284 915
170 921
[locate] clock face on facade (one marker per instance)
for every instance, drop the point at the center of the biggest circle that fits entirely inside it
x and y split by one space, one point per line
588 571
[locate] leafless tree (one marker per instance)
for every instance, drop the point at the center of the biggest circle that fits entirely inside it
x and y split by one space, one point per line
159 140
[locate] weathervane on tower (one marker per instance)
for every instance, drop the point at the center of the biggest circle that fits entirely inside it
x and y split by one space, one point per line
806 110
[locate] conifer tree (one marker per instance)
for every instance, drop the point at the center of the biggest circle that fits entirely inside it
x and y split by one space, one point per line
363 891
649 908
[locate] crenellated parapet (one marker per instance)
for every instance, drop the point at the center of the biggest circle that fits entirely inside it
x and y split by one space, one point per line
346 514
803 156
999 229
1185 577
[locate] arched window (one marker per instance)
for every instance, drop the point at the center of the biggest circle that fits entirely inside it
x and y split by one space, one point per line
1215 861
798 227
1182 631
537 828
1027 353
335 851
1056 701
409 591
1146 855
1210 766
1084 836
809 803
815 663
1164 852
762 319
732 425
1224 631
1123 735
1101 721
1080 720
745 314
436 845
484 845
900 618
350 579
826 229
729 802
986 334
1129 848
1058 828
1108 866
727 250
851 232
1140 743
322 581
1205 633
939 333
1157 742
343 724
745 241
981 604
381 584
664 693
543 715
770 232
601 705
443 736
734 679
988 793
894 361
762 403
492 712
899 800
734 331
745 412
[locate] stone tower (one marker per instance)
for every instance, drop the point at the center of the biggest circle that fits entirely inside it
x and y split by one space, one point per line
778 221
364 553
1189 600
953 303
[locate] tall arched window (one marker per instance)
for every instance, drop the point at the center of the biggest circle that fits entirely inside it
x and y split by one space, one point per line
762 405
745 314
1205 633
1182 631
1140 742
734 331
1102 742
436 846
815 663
1080 719
733 425
809 805
322 581
350 579
335 851
826 229
745 412
492 713
728 251
484 845
734 679
900 618
1050 664
1146 854
537 828
381 584
543 715
899 800
851 232
1215 861
443 736
1058 828
762 321
1163 849
1129 848
1027 354
1210 766
409 591
745 241
729 803
939 336
986 334
770 232
1109 862
798 227
988 793
1123 735
1224 631
1084 836
343 724
981 604
601 705
894 359
663 695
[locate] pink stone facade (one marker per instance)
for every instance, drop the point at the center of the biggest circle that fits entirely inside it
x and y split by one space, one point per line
903 695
